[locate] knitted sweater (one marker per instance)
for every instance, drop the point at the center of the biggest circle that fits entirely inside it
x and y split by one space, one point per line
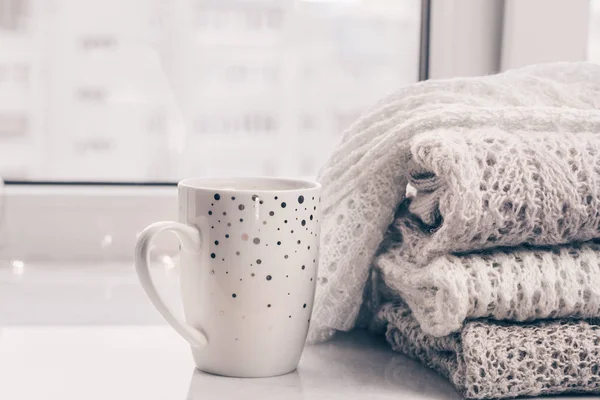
496 360
498 190
529 174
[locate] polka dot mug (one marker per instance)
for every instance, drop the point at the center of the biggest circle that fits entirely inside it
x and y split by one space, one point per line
249 258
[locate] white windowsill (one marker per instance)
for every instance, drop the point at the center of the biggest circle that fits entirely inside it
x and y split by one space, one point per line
44 223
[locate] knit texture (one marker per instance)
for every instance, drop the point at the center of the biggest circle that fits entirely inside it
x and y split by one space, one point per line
478 190
519 284
495 360
496 190
507 195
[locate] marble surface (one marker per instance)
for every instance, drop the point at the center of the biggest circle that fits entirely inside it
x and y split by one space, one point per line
89 333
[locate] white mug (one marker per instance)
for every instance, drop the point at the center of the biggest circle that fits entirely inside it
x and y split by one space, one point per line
249 259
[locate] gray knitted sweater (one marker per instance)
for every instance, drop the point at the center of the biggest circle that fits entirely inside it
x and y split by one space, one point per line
497 360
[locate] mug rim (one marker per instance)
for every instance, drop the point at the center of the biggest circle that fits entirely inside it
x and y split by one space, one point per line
268 184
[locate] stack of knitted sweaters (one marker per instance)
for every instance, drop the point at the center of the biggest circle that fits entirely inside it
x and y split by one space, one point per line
462 217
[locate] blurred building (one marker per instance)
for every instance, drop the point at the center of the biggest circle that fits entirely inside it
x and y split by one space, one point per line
155 90
20 92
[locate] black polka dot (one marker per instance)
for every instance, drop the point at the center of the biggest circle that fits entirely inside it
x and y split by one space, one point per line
212 227
279 243
241 219
234 295
232 197
269 277
264 222
311 279
285 221
237 253
252 274
212 255
315 208
301 199
286 256
283 205
304 266
217 196
308 247
256 240
241 207
303 222
224 212
290 316
271 213
268 305
314 260
216 242
229 224
313 197
304 306
299 242
210 213
260 202
259 261
254 197
292 231
227 236
287 276
276 197
311 217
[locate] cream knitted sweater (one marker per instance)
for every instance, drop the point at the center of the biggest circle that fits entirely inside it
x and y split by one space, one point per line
498 190
505 160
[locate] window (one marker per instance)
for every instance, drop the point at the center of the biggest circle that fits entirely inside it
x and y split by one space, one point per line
94 77
128 97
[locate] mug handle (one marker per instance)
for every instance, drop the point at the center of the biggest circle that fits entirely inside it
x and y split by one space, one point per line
190 241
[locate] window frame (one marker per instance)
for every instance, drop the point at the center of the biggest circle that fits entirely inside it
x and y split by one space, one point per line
522 45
